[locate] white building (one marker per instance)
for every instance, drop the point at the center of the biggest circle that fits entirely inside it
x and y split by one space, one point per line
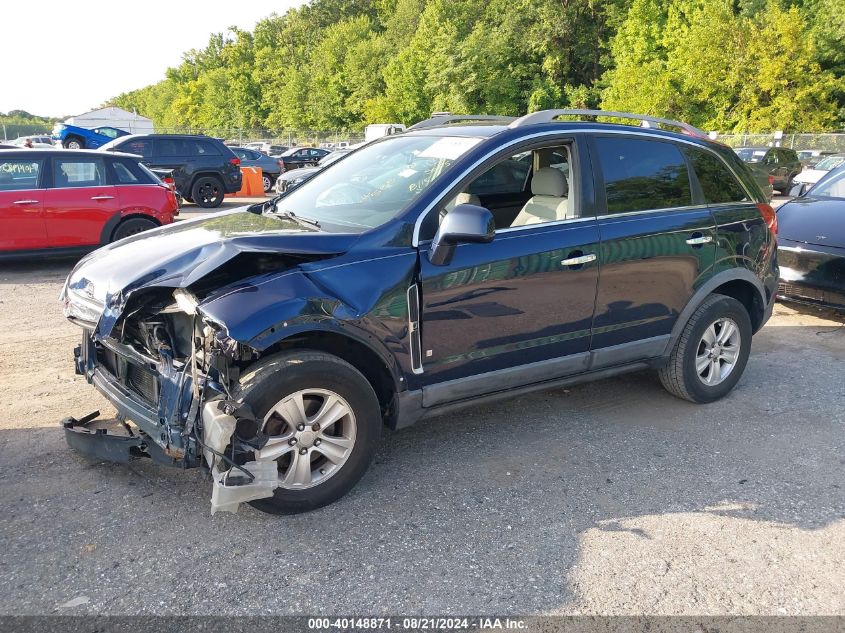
131 122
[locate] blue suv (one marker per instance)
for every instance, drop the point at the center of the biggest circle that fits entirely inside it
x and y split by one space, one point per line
460 262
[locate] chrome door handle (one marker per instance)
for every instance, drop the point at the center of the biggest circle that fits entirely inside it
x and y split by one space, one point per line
704 239
26 202
102 197
577 261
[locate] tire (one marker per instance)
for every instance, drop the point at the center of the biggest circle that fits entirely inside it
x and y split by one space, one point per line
132 226
276 380
74 142
208 192
680 376
268 182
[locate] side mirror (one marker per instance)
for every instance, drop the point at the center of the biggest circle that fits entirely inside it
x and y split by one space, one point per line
797 190
465 224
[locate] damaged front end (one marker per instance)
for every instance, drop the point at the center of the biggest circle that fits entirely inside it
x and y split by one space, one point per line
169 370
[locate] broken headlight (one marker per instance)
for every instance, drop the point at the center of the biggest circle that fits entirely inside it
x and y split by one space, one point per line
82 308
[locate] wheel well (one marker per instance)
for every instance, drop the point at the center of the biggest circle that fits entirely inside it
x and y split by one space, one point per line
132 216
361 357
748 296
204 174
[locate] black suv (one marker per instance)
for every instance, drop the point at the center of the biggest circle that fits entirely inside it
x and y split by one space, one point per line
436 269
203 168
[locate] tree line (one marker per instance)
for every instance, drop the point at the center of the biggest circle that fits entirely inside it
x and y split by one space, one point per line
728 65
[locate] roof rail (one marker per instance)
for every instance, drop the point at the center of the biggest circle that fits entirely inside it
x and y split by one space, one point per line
547 116
443 119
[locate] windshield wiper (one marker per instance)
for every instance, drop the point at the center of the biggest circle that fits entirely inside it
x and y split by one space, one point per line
296 218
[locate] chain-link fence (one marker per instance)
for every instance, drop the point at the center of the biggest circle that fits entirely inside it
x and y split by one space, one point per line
288 138
826 142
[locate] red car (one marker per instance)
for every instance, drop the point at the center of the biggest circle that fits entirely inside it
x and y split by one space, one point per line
69 201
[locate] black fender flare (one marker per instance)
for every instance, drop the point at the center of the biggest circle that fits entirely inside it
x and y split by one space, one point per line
706 289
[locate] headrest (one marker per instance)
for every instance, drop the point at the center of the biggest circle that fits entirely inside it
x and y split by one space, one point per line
467 198
549 181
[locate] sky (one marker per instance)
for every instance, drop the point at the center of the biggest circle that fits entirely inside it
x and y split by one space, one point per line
63 58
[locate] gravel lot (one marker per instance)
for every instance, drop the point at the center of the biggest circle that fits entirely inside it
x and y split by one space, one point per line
607 498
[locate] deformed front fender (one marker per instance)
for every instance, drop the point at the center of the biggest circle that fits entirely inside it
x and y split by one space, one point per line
265 311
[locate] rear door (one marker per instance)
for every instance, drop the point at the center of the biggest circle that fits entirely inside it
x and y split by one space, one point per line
80 201
657 244
22 204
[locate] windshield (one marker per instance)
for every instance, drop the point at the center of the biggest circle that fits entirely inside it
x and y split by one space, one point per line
832 185
829 163
751 155
328 159
372 185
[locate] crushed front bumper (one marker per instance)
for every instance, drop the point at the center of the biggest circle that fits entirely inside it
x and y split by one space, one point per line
98 443
161 416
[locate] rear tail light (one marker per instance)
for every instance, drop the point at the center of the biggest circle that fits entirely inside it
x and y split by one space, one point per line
235 161
771 179
282 165
770 217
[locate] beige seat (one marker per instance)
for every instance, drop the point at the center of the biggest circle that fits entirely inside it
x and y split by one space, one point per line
463 198
549 200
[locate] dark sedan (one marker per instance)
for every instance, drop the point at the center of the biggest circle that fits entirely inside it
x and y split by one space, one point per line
270 167
301 157
811 244
296 177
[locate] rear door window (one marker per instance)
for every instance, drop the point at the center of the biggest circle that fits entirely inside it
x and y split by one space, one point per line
166 147
718 184
17 174
78 172
641 175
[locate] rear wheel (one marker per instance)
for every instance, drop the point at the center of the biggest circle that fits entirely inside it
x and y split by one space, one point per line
323 421
711 353
267 181
208 192
132 226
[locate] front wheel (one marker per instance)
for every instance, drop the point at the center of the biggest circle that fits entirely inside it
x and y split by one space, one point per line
74 143
323 422
711 353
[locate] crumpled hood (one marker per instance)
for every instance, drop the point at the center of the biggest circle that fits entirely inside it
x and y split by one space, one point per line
179 254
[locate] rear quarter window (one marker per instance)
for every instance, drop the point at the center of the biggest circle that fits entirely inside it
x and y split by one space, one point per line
718 185
641 175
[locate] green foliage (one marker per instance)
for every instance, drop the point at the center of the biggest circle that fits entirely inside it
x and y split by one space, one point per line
749 68
742 65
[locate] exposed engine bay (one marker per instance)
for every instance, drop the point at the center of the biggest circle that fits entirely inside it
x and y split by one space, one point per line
172 374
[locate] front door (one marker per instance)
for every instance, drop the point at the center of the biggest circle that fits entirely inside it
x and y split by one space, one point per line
22 204
517 310
657 243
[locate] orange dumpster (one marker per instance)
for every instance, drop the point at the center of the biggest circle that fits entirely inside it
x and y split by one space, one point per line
252 185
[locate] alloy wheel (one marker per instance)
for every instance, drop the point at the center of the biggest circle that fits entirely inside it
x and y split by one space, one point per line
718 351
311 436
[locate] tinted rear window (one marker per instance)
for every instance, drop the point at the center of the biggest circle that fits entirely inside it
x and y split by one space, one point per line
718 184
642 174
